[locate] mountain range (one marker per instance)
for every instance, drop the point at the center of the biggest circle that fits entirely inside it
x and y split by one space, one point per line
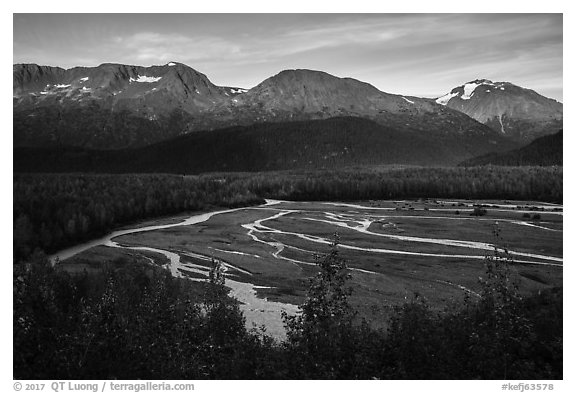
116 106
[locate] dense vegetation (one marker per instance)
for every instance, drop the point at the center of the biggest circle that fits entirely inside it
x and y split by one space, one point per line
545 151
54 211
330 143
138 322
92 126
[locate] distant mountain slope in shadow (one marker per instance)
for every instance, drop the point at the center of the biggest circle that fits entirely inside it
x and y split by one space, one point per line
315 144
544 151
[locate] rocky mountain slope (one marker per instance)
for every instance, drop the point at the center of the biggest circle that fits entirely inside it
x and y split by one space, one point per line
308 95
511 110
116 85
110 106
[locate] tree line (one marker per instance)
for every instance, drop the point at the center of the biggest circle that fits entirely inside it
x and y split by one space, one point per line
491 182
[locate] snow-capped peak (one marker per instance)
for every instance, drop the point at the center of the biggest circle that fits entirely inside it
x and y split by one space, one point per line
468 90
171 64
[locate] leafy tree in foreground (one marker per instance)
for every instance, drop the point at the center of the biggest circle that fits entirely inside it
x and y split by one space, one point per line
497 336
504 332
223 314
322 337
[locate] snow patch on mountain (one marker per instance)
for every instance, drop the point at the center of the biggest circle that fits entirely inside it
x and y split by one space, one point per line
501 124
238 91
146 79
469 90
445 98
407 100
61 86
84 79
171 64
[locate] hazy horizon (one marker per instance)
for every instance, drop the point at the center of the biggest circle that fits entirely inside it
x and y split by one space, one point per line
422 55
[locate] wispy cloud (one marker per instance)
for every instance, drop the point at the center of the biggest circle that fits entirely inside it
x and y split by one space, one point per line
149 46
152 46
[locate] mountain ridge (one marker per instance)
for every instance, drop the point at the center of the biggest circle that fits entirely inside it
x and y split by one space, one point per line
131 106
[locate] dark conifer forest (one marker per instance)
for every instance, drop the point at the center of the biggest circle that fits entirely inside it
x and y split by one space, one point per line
543 151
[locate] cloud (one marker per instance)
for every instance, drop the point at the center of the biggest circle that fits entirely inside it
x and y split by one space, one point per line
152 46
351 31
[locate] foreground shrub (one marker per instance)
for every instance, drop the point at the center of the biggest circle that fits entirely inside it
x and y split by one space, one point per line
479 211
499 335
322 340
126 324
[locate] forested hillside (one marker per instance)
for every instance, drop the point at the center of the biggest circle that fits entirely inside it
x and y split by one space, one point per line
544 151
330 143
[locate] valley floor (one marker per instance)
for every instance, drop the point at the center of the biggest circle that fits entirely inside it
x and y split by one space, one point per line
393 248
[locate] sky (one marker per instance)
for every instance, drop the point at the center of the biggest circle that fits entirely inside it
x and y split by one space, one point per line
422 55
